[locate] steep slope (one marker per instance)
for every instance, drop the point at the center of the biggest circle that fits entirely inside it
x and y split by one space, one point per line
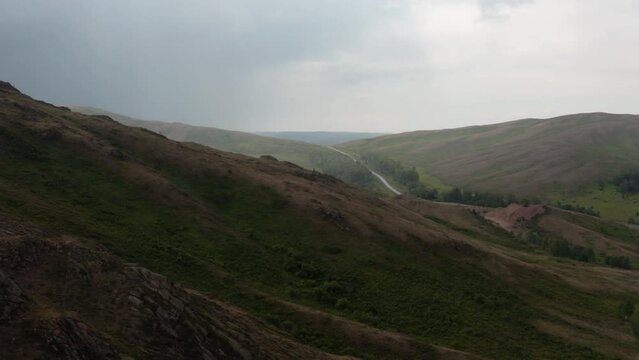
330 265
526 157
304 154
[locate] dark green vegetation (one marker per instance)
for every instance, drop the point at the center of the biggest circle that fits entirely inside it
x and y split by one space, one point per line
394 170
305 154
627 183
410 179
590 211
560 247
557 245
457 195
629 310
262 234
618 261
558 159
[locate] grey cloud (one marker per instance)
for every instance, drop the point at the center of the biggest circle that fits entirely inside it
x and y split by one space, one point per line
378 65
492 5
158 59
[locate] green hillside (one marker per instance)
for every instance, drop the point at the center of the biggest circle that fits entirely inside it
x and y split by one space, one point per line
306 155
561 158
329 265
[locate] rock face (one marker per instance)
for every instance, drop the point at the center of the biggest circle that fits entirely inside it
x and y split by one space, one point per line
12 299
59 299
72 339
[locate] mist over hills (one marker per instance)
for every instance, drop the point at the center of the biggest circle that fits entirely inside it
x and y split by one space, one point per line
307 155
320 137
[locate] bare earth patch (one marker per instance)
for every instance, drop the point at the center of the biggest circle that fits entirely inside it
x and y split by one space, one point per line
512 216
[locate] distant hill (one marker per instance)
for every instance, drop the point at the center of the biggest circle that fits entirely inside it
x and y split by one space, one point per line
306 155
320 137
531 157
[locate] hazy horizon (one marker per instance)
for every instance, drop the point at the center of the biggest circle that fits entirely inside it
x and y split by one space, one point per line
359 66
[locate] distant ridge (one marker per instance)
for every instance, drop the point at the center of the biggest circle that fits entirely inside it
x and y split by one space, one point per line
528 156
321 137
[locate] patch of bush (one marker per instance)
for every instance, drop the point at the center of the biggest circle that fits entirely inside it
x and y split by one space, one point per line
302 270
634 323
627 183
563 248
578 208
342 168
422 191
392 168
627 308
408 177
622 262
343 304
458 195
328 292
333 250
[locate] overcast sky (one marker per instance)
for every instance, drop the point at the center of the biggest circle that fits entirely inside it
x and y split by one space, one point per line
359 65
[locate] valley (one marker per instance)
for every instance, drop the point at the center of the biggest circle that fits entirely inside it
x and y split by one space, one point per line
321 180
311 265
571 159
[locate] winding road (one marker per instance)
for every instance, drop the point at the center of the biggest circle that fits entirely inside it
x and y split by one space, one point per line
380 177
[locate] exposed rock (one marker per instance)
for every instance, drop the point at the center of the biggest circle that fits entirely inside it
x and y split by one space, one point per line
514 216
86 304
72 339
12 298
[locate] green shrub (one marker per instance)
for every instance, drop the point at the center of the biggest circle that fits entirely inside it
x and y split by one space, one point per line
627 308
622 262
634 322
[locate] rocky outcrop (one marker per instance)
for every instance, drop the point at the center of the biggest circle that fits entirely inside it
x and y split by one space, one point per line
166 311
71 339
12 299
72 302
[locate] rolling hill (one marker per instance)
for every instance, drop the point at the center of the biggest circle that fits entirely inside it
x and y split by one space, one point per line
320 137
563 158
117 242
307 155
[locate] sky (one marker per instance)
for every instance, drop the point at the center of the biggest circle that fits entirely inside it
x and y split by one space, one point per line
334 65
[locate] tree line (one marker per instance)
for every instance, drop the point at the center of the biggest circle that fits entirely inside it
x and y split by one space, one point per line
407 176
578 208
560 247
342 168
628 183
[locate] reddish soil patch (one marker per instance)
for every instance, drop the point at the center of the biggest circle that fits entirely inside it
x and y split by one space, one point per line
512 216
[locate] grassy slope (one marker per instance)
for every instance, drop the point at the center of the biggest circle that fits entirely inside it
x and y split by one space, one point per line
610 203
526 157
248 232
297 152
